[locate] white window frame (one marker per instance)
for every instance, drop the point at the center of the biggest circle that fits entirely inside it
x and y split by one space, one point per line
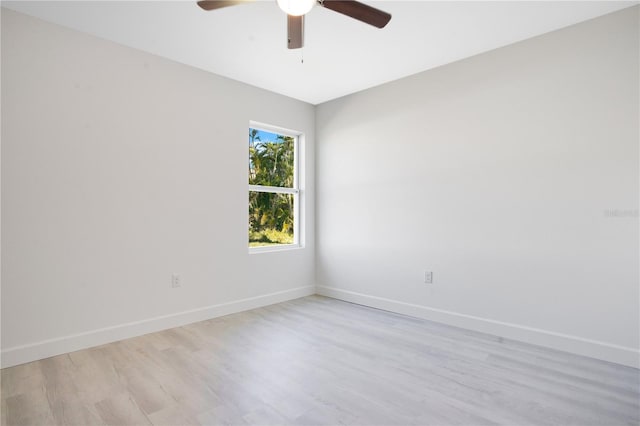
295 191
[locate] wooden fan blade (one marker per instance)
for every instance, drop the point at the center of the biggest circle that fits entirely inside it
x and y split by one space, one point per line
218 4
295 31
360 11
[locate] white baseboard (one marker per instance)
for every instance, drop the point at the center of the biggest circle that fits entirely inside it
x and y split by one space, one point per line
564 342
573 344
47 348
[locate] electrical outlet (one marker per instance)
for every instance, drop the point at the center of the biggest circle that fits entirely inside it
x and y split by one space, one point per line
175 281
428 277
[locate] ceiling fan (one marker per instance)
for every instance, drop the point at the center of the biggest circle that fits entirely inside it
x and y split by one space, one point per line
296 9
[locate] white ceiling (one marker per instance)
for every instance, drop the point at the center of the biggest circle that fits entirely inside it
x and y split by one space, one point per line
341 55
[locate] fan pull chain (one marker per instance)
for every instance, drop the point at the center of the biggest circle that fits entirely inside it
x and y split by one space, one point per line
302 56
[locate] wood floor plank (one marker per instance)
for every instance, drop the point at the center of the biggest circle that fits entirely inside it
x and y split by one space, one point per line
319 361
223 415
21 379
121 410
27 409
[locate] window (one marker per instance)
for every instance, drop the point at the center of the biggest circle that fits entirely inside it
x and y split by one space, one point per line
273 189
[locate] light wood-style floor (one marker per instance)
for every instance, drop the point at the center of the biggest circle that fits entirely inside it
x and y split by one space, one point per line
319 361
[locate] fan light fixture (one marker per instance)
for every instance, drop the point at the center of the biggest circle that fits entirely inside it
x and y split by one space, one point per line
296 7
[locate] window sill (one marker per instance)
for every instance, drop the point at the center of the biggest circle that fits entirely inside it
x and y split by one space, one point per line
271 249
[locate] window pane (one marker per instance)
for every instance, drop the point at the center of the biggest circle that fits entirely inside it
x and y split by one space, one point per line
270 159
270 219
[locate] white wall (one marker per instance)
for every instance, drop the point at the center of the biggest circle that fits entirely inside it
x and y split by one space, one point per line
120 168
496 173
